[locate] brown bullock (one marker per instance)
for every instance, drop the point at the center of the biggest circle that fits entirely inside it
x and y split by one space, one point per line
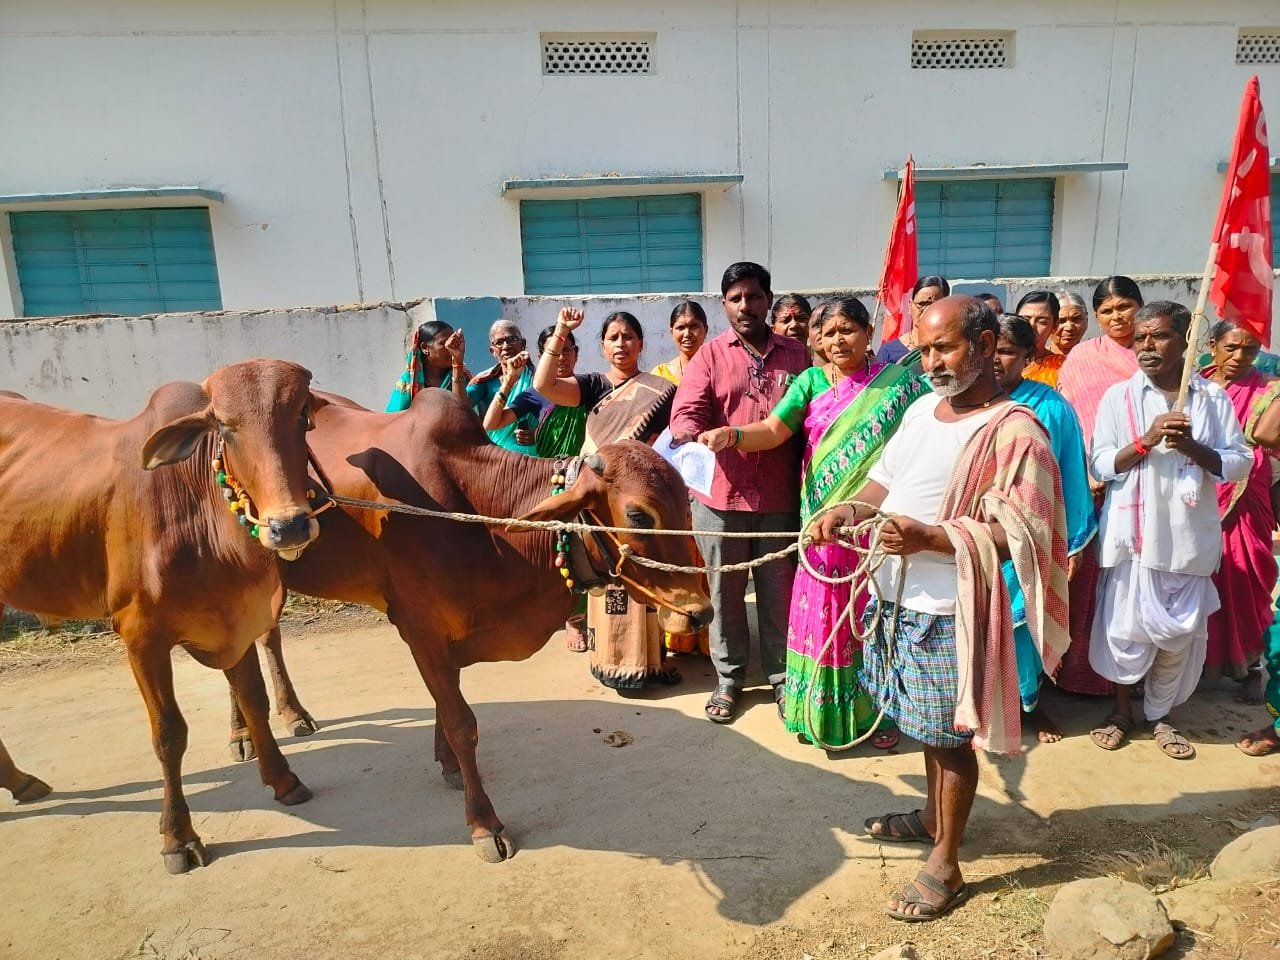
94 530
463 593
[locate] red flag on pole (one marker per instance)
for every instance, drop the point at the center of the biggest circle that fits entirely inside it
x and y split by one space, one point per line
900 266
1242 279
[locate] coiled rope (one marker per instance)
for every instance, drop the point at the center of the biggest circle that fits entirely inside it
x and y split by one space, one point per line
870 558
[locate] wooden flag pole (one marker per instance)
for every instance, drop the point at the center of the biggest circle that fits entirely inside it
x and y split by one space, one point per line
1197 321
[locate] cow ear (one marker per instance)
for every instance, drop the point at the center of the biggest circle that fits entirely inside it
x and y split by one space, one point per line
176 441
565 506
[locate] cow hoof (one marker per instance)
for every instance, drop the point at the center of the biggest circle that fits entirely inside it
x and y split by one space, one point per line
299 794
453 778
494 847
303 725
242 749
190 854
32 789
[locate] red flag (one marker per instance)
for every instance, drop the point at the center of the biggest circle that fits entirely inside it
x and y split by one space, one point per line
900 268
1242 280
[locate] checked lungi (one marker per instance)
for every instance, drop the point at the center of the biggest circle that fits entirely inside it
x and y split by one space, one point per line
918 688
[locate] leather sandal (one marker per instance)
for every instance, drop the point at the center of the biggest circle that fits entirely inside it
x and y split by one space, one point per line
725 697
898 828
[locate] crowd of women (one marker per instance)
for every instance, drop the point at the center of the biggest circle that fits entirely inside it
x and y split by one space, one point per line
845 407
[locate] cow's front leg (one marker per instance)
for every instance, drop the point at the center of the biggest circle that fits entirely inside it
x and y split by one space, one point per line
250 693
445 757
455 717
24 786
153 672
295 715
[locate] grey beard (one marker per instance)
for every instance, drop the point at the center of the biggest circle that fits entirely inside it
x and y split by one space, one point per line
958 383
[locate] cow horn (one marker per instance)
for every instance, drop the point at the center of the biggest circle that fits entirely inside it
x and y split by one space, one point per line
595 462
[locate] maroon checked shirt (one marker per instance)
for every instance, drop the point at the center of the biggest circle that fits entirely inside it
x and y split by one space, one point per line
725 384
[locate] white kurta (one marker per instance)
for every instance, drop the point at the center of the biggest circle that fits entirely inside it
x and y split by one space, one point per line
1160 541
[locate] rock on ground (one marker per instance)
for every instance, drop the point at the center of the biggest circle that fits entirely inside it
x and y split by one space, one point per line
1204 907
903 951
1106 919
1255 854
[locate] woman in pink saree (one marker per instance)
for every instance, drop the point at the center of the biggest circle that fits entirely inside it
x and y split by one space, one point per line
1248 571
1092 368
847 408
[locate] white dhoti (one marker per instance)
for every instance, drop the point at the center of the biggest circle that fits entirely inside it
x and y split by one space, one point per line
1154 625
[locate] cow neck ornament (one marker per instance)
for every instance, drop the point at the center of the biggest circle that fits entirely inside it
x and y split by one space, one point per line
562 538
241 506
563 474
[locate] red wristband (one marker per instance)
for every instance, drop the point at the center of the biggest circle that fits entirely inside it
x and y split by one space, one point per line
1141 450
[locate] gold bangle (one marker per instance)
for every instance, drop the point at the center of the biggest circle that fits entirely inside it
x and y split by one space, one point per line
551 353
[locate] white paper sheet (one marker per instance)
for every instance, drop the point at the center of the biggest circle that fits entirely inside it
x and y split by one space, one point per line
694 462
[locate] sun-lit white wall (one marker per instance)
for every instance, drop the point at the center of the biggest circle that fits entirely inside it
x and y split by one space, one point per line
361 146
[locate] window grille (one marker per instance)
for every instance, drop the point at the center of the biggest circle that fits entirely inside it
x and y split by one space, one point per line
597 55
1258 46
127 262
983 51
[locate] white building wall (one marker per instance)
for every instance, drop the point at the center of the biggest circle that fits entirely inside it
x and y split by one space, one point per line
109 365
361 145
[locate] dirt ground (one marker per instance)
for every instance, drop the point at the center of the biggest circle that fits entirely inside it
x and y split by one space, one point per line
643 830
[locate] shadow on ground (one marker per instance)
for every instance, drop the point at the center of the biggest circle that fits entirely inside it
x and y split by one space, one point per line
679 791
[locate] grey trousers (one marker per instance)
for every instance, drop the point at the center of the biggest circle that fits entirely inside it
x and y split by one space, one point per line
730 635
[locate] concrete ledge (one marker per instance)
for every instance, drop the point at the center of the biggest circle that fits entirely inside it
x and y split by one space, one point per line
1007 171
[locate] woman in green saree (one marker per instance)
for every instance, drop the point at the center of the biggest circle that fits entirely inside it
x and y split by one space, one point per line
847 408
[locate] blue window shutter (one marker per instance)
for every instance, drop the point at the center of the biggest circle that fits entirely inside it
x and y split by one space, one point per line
985 228
115 261
1275 218
612 245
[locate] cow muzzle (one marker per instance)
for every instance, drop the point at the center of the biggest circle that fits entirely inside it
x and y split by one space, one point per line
687 617
288 536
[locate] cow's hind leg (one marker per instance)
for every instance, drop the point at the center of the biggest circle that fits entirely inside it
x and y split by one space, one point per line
153 672
445 757
24 786
294 714
456 718
250 693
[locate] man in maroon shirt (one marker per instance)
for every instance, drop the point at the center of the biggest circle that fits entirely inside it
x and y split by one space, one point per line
735 379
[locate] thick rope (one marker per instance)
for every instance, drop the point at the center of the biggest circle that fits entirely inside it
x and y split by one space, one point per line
870 559
567 526
863 575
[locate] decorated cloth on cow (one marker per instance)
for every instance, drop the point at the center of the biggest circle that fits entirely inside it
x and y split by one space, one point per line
623 636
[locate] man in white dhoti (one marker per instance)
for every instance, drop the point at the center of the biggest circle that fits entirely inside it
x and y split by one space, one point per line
1159 535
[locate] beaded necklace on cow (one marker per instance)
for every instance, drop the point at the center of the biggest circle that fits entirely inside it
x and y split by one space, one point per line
562 538
238 497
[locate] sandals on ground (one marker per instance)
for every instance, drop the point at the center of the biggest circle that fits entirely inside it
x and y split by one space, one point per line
898 828
1114 731
885 739
1173 743
925 909
725 697
780 699
1259 743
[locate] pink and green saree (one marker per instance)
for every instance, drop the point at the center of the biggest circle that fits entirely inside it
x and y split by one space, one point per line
1248 572
846 428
